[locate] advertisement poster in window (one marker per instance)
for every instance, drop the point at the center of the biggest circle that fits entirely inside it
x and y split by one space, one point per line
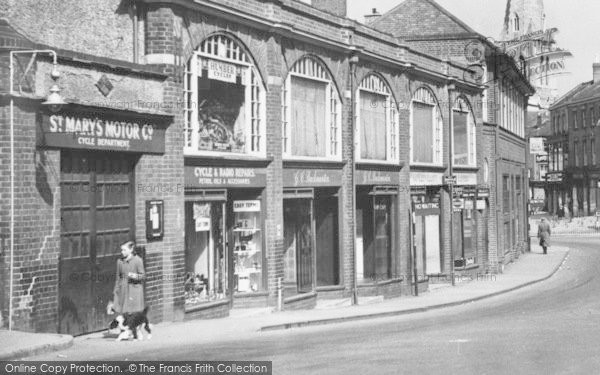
221 116
202 216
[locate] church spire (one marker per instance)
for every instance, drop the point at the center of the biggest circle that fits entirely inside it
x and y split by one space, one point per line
522 17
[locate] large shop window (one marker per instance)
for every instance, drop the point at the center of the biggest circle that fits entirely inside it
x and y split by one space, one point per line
374 223
426 129
311 113
224 101
464 133
223 245
377 121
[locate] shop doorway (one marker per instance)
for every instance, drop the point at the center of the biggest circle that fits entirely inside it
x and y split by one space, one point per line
464 241
327 239
205 250
375 218
97 215
298 245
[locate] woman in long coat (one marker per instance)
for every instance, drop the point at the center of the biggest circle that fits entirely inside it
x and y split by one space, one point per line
128 295
544 234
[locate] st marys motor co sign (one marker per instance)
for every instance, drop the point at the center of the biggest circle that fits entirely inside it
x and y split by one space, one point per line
100 132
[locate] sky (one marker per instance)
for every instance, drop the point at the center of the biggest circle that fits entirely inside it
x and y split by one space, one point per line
577 21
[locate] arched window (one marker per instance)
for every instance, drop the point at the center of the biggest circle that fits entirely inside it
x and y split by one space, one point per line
516 23
463 134
224 101
311 112
426 128
377 121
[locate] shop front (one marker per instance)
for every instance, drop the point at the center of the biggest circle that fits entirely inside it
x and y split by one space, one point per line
425 190
376 230
311 212
99 150
464 221
224 237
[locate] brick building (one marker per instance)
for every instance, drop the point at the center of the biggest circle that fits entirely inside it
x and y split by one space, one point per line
494 230
573 154
274 150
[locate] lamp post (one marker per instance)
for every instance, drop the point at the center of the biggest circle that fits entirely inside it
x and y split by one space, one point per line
54 102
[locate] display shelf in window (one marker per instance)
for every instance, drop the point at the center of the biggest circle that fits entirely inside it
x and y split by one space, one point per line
247 251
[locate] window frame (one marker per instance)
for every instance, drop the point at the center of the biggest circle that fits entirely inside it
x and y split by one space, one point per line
392 120
317 72
462 105
425 96
255 99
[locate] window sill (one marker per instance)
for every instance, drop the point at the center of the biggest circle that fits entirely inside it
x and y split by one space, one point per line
199 306
250 295
221 157
381 164
330 288
315 162
465 168
439 167
365 284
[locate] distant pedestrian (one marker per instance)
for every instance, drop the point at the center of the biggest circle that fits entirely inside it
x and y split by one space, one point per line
128 295
544 234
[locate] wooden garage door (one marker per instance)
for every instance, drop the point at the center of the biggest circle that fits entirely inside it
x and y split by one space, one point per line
97 215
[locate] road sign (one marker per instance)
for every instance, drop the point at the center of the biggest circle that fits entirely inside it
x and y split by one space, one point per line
458 203
449 180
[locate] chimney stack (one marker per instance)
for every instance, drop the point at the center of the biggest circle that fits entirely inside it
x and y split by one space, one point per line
335 7
596 69
370 18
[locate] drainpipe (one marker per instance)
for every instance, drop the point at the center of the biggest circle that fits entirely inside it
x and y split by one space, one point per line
451 88
136 47
353 62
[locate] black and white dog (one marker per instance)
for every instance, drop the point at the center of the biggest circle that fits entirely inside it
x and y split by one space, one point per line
130 323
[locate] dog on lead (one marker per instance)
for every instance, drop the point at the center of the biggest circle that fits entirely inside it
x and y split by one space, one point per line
130 323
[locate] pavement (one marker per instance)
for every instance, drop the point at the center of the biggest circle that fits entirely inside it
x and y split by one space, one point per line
530 268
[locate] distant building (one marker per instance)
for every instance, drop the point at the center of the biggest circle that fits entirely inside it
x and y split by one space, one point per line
574 173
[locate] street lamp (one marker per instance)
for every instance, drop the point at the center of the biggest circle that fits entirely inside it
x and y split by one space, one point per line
54 102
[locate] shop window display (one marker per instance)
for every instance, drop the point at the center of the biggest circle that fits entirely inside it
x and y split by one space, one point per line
224 101
247 247
206 260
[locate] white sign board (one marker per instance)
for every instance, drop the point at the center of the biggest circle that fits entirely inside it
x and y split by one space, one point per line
466 178
425 179
246 206
221 71
480 204
536 145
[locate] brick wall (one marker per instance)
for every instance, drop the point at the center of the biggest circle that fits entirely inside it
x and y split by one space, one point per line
102 27
37 222
165 287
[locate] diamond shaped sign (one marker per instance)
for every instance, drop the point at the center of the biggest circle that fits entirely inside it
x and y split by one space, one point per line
104 85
